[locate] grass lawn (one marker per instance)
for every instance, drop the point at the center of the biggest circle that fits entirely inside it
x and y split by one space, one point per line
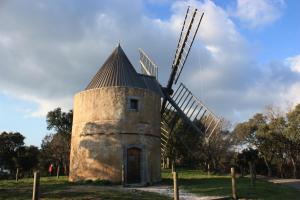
192 181
51 188
215 185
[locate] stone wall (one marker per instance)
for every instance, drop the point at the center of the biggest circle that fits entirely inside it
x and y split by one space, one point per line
104 127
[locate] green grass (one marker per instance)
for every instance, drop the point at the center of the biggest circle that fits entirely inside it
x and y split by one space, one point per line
191 180
51 188
220 185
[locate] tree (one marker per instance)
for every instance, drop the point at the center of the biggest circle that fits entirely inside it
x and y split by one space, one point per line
9 144
27 158
56 146
186 142
55 150
248 157
276 136
14 155
192 149
256 133
59 121
293 136
217 148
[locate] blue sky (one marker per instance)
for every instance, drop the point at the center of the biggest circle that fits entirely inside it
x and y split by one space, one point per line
277 40
15 116
247 54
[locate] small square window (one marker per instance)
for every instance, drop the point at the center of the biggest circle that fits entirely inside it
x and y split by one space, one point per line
133 104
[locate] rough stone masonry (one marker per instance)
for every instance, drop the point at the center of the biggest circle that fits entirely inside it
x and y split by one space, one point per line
116 126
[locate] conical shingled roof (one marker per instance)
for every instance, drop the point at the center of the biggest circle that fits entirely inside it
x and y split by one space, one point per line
117 71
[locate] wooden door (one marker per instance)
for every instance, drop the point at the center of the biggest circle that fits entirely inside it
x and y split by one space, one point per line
133 165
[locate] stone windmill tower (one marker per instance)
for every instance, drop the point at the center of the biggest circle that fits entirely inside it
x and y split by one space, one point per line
116 125
124 122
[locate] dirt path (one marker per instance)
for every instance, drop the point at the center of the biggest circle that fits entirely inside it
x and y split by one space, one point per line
168 191
160 189
295 183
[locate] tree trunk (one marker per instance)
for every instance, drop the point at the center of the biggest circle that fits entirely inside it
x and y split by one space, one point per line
57 172
294 168
280 169
252 173
214 164
268 167
17 174
242 171
65 166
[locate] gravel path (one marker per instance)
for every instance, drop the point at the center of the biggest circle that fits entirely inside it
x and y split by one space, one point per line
295 183
168 191
160 189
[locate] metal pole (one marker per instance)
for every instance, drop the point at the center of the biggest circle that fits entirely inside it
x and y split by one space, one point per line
233 181
36 186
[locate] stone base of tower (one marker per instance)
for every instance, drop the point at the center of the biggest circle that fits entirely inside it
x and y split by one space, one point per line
110 142
103 158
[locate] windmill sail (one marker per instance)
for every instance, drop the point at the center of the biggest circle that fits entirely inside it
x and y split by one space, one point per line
148 67
186 39
182 105
187 107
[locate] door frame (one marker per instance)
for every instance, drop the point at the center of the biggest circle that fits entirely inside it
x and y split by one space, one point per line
143 164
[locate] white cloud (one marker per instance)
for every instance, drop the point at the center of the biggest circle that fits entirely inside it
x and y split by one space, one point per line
43 105
54 48
158 1
223 70
294 62
292 95
5 40
258 13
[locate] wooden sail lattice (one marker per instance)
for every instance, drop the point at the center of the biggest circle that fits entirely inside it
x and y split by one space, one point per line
148 67
181 105
187 36
186 106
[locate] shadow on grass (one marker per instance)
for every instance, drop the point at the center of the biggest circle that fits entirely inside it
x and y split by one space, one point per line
203 185
52 188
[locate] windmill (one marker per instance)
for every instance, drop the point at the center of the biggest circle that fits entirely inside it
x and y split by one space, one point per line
181 103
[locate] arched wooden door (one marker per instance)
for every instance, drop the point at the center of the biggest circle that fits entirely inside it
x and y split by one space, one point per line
133 165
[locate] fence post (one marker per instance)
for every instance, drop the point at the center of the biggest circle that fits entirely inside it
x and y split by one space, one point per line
36 186
176 192
173 166
17 175
208 170
168 163
233 181
123 175
57 172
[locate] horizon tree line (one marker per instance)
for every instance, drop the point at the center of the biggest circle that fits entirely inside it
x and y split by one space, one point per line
268 144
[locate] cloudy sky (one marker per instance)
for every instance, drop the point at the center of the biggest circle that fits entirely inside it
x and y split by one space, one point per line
246 55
